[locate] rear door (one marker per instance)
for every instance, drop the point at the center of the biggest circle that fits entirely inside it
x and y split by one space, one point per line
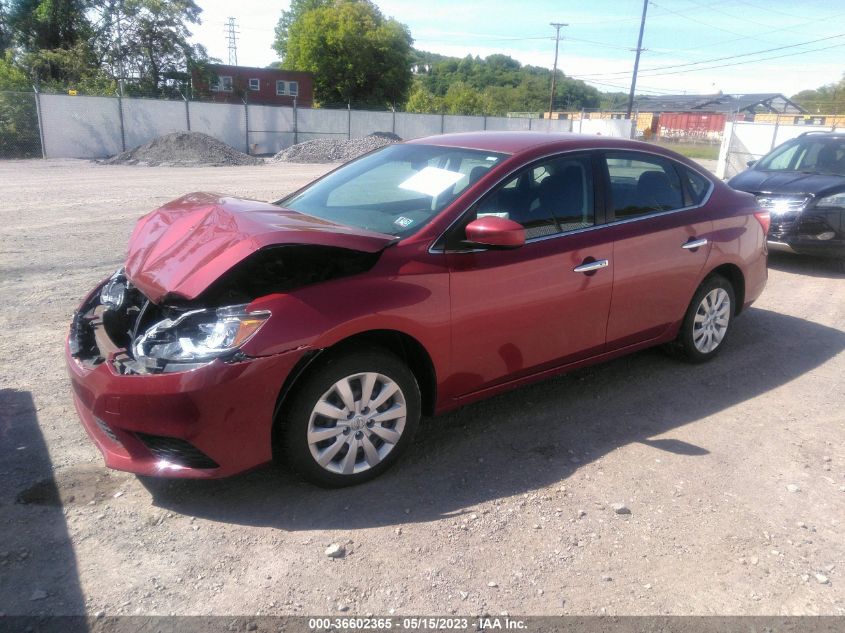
660 243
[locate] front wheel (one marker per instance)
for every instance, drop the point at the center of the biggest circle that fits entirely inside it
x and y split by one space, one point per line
351 418
707 321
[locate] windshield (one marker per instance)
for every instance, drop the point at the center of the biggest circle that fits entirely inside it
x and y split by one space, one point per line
396 190
809 154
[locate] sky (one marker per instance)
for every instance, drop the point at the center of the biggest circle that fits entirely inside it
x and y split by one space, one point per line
692 46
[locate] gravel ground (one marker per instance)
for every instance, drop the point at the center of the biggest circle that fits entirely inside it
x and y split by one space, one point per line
184 149
733 472
324 150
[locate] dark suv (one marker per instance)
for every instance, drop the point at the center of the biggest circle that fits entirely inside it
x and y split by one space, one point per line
802 184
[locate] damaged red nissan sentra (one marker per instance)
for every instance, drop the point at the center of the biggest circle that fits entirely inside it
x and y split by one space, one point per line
413 280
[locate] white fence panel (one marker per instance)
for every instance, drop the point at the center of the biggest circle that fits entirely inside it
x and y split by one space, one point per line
322 124
500 123
80 127
457 123
618 128
410 126
270 129
365 122
224 121
146 119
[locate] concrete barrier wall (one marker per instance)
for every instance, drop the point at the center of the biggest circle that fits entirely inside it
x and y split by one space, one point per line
80 127
365 122
270 129
224 121
146 119
90 127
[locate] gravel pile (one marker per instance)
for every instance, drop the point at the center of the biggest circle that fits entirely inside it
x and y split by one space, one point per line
183 149
324 150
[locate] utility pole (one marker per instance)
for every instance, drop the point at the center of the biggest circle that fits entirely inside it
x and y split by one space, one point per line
232 37
637 62
557 26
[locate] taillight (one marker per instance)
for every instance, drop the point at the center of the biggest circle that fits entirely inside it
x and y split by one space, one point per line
765 220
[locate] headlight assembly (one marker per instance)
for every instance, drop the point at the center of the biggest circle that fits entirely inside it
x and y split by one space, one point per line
197 337
836 200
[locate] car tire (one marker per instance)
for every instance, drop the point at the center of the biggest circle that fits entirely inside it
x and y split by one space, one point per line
707 322
329 416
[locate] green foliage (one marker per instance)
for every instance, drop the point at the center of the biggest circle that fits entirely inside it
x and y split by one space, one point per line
297 8
500 83
5 29
355 53
422 101
829 99
18 116
153 50
48 24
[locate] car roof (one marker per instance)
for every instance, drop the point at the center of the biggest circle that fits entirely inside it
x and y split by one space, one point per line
518 142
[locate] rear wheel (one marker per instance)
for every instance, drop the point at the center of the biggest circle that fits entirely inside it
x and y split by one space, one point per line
708 320
351 418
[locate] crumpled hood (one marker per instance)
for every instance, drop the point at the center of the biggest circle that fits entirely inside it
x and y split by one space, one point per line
186 245
786 182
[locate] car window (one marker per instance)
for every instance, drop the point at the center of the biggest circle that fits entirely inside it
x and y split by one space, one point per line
551 197
395 190
697 184
641 184
814 154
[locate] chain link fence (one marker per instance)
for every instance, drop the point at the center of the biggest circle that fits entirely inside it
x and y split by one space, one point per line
19 125
69 125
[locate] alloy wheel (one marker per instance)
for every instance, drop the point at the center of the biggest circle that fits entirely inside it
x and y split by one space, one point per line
711 320
356 423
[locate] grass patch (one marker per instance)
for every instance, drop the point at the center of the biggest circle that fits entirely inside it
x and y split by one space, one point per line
692 150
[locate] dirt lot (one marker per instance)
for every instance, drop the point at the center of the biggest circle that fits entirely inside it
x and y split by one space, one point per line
734 472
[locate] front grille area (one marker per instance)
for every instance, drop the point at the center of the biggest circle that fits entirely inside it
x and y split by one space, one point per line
176 451
785 212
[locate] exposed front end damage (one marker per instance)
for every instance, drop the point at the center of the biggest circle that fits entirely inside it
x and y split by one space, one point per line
160 385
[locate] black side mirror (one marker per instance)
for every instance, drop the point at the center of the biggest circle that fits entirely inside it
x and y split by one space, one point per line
751 163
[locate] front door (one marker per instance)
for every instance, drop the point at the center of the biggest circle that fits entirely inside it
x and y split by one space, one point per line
516 312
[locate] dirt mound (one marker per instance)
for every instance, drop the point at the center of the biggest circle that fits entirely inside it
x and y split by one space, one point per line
325 150
183 149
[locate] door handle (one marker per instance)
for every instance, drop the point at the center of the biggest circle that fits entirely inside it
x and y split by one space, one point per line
693 244
590 267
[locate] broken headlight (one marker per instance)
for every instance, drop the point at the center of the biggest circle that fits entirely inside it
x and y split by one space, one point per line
113 292
198 336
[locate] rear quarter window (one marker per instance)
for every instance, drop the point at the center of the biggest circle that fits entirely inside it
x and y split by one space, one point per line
698 185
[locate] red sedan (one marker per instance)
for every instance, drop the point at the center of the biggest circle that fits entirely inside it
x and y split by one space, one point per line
411 281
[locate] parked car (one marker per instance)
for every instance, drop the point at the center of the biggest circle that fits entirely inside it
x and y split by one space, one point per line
802 184
416 279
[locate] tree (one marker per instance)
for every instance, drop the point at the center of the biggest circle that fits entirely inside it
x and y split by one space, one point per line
829 99
146 42
5 30
422 101
48 24
356 54
297 9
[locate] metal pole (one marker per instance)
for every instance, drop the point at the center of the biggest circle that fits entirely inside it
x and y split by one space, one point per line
442 123
122 128
295 123
775 135
581 122
187 111
349 120
40 121
557 26
637 62
246 121
393 128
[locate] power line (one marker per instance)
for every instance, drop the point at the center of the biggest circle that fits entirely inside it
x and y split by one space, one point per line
719 59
